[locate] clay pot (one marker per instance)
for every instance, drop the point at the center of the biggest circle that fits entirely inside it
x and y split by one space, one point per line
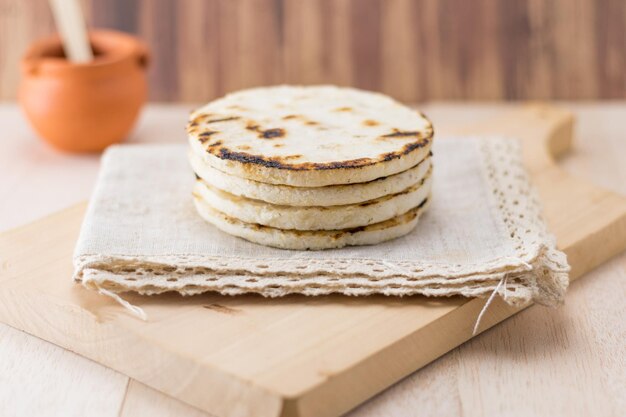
83 107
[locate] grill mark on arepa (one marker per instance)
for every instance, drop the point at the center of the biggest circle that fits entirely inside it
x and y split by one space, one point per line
430 154
205 136
301 118
394 221
407 190
279 162
418 139
401 134
405 149
408 216
282 162
272 133
203 118
223 119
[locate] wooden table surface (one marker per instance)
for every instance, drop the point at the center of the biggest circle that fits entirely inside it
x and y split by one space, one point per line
569 361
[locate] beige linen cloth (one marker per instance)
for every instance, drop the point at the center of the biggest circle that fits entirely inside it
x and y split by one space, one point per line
482 233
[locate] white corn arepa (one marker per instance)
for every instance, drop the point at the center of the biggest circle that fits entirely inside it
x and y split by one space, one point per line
309 136
315 217
313 239
330 195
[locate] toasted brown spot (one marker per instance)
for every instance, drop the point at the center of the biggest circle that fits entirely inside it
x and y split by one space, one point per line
214 144
249 158
197 177
273 133
289 157
223 119
405 150
279 145
221 309
243 147
205 136
300 118
356 229
343 109
267 133
370 122
401 134
407 190
257 226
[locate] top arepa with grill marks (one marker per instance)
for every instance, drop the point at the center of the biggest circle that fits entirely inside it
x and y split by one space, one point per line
309 136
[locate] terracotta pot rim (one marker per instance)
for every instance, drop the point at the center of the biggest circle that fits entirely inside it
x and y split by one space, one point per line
114 49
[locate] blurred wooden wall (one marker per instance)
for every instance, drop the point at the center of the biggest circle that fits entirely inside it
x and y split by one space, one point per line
414 50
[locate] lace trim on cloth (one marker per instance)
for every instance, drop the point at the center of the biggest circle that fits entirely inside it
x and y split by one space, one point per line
538 272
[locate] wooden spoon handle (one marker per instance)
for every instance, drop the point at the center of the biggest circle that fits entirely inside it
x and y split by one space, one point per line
70 23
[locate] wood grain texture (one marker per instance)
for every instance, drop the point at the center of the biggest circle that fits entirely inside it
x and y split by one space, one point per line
100 390
415 50
525 356
355 339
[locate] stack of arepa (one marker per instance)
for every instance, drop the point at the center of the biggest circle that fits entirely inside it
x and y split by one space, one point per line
315 167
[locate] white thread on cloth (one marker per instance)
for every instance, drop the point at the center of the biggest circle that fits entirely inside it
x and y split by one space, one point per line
141 233
487 304
136 311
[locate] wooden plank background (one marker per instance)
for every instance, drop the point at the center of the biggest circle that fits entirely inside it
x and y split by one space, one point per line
415 50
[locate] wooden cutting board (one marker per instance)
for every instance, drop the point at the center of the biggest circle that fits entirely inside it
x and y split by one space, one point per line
295 356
